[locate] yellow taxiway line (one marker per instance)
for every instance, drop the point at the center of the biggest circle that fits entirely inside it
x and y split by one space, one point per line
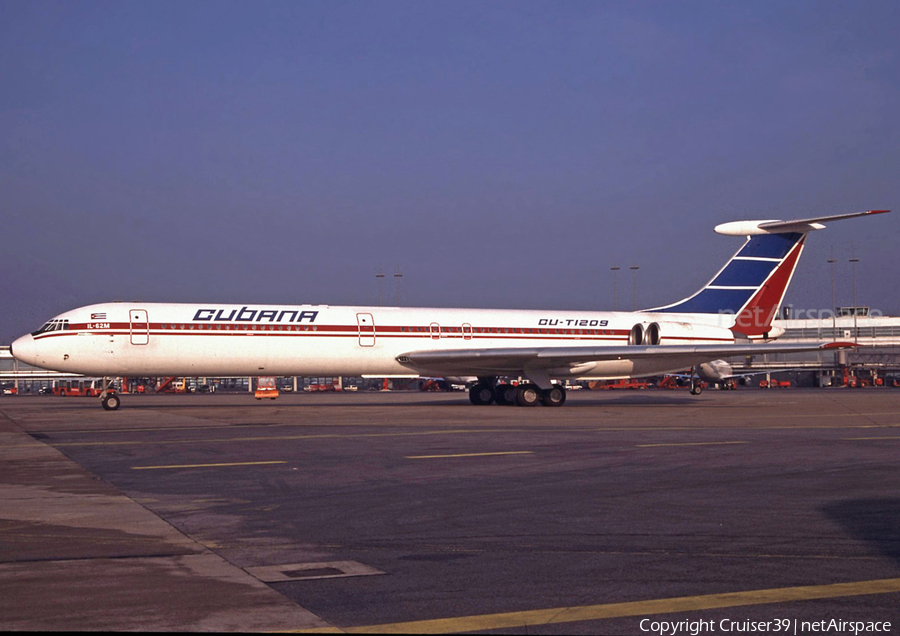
520 620
854 439
207 465
469 455
689 444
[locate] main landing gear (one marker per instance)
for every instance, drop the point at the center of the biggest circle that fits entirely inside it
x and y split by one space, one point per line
528 394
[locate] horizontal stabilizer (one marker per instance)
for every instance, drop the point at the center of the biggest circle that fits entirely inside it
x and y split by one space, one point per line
752 228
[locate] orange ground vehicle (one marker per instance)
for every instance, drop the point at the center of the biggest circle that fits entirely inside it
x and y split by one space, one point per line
265 388
774 384
619 384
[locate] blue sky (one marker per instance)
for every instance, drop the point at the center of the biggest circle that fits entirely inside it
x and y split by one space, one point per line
501 154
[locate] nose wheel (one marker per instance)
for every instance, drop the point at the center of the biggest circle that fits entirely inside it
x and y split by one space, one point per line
109 400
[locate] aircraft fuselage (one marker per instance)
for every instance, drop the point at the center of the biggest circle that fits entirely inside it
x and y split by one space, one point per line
155 339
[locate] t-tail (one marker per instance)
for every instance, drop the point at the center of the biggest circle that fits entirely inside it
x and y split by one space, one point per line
751 286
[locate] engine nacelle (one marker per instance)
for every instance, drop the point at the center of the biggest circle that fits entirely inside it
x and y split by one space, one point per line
671 333
636 335
716 371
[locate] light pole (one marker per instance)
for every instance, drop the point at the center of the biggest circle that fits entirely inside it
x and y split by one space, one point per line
833 260
854 261
380 276
398 276
615 269
634 269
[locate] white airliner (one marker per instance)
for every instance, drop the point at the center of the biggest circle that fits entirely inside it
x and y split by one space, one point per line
730 316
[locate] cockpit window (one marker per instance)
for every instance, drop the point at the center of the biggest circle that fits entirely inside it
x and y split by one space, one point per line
52 325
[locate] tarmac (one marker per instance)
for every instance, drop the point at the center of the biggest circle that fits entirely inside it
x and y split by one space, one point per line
420 513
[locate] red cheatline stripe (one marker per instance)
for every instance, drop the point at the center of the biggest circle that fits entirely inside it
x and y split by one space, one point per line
328 332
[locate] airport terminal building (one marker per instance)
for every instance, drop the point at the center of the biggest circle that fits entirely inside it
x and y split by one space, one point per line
878 356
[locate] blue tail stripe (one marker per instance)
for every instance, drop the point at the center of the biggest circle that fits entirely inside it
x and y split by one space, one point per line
713 301
745 273
770 245
765 252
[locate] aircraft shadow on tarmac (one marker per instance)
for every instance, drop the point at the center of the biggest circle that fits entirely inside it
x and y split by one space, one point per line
636 398
875 521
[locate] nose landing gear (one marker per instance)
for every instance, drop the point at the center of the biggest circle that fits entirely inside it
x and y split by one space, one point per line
108 398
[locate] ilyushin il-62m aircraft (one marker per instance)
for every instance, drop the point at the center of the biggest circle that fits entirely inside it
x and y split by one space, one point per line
730 316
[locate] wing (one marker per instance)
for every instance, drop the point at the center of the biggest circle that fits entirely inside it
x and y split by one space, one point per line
539 363
746 374
766 371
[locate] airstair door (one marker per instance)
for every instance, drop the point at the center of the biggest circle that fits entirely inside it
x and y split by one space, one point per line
139 327
366 330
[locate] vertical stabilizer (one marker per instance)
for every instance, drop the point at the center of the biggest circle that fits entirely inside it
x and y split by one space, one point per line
752 284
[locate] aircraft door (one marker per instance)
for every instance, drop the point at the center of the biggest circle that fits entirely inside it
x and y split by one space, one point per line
467 331
366 325
435 329
139 325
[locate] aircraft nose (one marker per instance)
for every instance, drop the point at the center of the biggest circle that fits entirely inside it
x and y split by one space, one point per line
23 349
